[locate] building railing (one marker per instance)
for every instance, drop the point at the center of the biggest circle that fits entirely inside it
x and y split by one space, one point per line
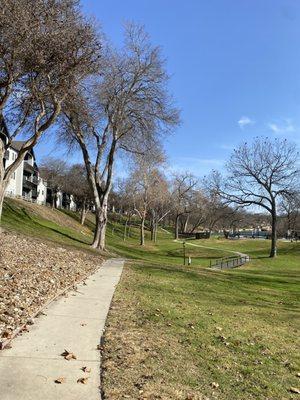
31 181
229 262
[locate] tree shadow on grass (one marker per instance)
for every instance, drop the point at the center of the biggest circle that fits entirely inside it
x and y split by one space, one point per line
20 215
62 233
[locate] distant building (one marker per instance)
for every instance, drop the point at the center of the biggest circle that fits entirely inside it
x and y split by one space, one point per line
42 192
26 182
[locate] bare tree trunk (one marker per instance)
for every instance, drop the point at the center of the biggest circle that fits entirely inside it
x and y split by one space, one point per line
103 225
97 230
125 230
273 252
83 213
152 229
155 232
3 179
142 231
177 227
2 193
186 223
54 199
100 228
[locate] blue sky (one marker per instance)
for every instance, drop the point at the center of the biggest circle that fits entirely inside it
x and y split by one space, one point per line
234 66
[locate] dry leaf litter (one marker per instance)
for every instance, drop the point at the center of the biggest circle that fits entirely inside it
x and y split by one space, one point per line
32 273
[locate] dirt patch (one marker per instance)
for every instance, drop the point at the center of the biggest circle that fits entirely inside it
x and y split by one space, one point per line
32 273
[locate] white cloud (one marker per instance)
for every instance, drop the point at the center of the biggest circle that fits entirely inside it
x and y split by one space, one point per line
227 146
244 121
274 127
201 161
285 127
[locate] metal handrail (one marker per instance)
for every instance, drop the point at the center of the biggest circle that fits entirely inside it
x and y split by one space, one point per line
229 262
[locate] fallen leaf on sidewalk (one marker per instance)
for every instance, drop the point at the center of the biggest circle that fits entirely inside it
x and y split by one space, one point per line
68 355
60 380
86 369
82 380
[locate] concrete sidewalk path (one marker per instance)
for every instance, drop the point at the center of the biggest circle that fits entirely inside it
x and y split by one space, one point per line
75 323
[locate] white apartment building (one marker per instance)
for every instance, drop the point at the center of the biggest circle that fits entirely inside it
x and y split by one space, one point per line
25 181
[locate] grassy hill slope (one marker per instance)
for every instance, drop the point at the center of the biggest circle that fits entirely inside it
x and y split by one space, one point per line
178 332
44 223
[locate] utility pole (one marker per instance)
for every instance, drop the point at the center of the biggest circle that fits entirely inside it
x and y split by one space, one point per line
183 244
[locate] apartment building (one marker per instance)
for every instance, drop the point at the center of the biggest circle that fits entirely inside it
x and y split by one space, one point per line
26 182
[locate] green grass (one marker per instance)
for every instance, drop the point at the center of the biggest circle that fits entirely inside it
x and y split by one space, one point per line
164 252
18 218
237 328
174 330
187 327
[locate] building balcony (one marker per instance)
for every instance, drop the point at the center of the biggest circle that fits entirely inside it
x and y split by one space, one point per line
28 167
30 183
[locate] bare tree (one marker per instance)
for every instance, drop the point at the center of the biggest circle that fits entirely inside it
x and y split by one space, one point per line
217 214
54 171
182 189
124 198
131 110
259 174
46 47
77 185
145 182
289 208
197 216
160 206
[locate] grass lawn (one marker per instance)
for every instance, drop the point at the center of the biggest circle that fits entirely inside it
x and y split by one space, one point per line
44 223
178 332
